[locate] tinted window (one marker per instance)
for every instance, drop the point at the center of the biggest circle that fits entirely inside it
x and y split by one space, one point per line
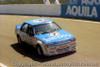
24 28
30 30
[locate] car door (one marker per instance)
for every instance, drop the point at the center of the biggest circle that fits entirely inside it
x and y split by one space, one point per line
30 34
24 30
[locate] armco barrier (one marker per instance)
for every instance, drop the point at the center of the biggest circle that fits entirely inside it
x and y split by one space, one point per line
88 9
33 9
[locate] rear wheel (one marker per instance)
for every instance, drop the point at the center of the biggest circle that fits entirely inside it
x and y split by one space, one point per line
19 39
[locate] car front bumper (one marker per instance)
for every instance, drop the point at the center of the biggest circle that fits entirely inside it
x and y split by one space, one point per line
61 50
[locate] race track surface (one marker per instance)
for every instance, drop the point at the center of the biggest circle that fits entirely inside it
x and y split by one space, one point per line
86 32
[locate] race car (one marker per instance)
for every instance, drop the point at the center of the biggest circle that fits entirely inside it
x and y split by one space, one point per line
46 36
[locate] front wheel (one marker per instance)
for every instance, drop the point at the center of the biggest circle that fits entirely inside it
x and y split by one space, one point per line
39 51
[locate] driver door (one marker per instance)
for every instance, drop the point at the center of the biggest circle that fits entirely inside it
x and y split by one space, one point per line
30 35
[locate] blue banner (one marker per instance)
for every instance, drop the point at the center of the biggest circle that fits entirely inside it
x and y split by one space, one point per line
89 9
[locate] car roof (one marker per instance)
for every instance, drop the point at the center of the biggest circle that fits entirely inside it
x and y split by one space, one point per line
38 21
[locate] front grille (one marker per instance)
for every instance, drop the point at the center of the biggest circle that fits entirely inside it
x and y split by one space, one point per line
52 52
63 49
58 50
59 42
66 43
63 42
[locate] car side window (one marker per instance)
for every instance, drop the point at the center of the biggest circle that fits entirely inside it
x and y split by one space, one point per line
30 30
25 28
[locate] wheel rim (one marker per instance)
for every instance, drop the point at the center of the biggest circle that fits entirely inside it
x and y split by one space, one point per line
39 51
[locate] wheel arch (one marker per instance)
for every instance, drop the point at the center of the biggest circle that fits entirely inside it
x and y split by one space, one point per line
39 43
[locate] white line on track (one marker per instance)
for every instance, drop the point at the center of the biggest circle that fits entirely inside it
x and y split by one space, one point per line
2 65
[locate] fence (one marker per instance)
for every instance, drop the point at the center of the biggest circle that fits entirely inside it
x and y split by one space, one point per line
88 9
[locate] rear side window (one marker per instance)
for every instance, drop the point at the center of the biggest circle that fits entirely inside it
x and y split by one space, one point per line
25 28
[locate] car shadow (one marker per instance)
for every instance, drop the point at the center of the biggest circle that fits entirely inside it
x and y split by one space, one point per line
29 51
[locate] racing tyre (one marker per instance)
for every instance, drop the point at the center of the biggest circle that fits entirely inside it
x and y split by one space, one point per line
39 51
19 40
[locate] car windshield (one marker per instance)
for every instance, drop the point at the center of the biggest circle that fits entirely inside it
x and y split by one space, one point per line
46 28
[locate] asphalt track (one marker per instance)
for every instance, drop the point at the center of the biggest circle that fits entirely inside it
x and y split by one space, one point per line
86 32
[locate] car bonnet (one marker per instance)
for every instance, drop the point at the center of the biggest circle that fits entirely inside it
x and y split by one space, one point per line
54 36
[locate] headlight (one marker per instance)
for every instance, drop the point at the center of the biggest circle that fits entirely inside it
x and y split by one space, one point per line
73 39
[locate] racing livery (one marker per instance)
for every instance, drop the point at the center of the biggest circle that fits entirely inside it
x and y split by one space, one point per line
46 36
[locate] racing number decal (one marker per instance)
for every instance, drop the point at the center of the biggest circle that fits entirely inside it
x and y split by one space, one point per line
39 21
54 34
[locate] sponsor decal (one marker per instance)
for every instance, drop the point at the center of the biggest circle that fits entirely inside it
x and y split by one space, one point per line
38 20
54 34
89 9
55 37
82 11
